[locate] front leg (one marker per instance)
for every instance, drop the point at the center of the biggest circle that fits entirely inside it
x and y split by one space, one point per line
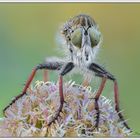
47 65
66 68
101 72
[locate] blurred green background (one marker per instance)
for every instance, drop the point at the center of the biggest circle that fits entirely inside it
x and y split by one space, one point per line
28 35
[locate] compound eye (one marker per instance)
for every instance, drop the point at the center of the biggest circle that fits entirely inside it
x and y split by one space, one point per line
94 36
76 37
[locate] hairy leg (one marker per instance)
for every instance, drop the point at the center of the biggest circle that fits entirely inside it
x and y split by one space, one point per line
50 66
101 72
67 68
99 92
45 75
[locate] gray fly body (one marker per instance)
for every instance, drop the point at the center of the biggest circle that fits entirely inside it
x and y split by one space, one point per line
83 39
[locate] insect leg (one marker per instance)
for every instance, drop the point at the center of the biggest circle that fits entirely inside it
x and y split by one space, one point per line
50 66
99 92
45 75
101 72
67 68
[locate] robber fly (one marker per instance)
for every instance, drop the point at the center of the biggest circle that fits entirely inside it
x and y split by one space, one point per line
83 38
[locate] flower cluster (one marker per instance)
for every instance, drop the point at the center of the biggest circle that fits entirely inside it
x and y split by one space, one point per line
29 115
